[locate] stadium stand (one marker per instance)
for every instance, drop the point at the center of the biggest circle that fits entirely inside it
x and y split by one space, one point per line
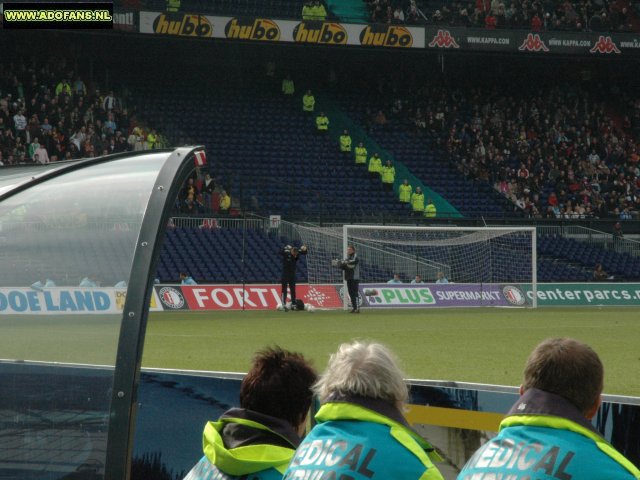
582 15
47 109
265 150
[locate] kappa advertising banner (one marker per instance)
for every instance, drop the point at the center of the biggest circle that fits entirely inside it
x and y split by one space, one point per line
233 297
585 43
272 30
441 295
49 301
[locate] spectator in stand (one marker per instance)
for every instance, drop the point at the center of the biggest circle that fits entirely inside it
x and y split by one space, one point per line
396 279
536 23
405 190
186 279
41 155
417 280
20 125
599 275
308 102
440 278
417 202
398 15
388 176
208 187
375 166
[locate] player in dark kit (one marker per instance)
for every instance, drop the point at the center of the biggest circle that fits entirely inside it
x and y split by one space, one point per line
290 257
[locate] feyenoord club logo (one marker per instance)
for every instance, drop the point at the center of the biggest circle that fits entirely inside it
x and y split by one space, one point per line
171 298
533 43
605 45
443 39
514 295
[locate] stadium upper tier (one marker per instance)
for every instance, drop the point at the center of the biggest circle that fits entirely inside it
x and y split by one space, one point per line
572 16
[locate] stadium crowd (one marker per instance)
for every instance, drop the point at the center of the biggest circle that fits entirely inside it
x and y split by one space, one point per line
557 152
48 112
536 15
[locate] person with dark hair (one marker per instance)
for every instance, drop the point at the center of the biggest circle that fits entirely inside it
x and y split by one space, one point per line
258 440
186 279
548 433
360 432
351 267
290 256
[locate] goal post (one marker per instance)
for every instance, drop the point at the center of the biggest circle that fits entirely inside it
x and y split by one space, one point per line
496 264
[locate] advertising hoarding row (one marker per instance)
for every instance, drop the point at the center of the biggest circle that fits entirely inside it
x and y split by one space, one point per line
267 297
433 37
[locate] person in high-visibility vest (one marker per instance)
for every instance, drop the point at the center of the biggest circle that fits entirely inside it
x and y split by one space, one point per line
308 102
318 12
345 142
361 154
405 191
322 124
259 439
173 5
152 139
288 88
388 176
430 210
307 11
417 201
375 166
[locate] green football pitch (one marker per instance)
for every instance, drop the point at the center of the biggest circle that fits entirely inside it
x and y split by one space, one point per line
471 345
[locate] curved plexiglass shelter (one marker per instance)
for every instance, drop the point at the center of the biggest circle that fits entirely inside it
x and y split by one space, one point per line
78 243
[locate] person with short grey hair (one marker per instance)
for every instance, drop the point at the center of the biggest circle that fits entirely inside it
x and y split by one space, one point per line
360 431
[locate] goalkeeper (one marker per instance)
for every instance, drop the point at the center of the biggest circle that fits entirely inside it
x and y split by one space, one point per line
290 257
351 268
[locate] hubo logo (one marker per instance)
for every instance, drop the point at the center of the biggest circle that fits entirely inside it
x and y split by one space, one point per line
321 33
386 36
184 25
259 29
514 295
384 296
171 298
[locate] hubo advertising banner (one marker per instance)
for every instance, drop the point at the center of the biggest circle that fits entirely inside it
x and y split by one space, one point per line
434 37
500 295
64 300
239 297
256 29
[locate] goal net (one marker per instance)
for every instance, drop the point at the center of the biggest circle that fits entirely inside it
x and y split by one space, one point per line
489 257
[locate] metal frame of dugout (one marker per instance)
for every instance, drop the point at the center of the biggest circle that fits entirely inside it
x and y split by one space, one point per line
93 435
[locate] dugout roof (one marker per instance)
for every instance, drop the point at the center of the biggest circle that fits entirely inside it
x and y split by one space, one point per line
78 244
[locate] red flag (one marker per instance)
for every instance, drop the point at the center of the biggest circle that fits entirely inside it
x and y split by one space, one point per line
200 158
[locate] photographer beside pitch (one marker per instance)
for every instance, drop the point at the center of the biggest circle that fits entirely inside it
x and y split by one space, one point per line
351 267
548 433
290 257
